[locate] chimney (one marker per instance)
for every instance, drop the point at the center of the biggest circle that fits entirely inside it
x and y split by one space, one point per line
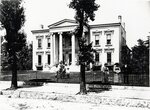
42 26
120 18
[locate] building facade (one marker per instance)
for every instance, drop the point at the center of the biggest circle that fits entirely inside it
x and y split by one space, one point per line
57 43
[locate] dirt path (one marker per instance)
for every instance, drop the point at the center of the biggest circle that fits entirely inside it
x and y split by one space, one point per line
39 104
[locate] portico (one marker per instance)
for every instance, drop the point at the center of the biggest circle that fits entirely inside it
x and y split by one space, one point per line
63 48
64 45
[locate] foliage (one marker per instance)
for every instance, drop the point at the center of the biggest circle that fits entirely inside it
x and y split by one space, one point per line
140 57
125 57
25 58
12 19
84 9
86 53
4 57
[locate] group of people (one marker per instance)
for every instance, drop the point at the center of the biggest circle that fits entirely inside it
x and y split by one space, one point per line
116 71
62 71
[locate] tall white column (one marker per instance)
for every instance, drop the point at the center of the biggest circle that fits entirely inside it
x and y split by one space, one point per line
60 47
73 50
54 48
52 51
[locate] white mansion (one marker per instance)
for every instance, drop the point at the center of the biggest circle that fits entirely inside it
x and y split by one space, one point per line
57 43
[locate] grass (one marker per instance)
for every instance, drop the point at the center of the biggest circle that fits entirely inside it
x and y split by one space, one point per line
74 77
30 75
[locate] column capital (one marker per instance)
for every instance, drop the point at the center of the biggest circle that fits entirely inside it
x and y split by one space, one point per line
51 33
60 33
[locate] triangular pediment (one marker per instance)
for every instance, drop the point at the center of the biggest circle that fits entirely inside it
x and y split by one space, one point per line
65 22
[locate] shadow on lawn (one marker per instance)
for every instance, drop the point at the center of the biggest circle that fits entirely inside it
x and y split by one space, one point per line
98 86
35 83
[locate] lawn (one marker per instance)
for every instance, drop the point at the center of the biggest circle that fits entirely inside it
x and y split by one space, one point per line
29 75
136 80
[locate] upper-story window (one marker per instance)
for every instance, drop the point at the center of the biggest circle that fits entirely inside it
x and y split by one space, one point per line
97 40
48 43
108 39
97 35
109 33
39 43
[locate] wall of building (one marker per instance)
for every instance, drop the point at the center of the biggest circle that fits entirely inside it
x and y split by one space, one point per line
118 38
37 51
102 47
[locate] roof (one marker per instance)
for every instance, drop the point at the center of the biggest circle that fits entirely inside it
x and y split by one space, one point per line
40 31
63 21
70 23
105 25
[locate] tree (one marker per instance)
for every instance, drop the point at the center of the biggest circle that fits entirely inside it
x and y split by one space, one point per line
12 19
140 57
84 12
4 56
25 58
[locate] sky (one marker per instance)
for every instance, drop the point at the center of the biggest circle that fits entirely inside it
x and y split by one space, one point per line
135 14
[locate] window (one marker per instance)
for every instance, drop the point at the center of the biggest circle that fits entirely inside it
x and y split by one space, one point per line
97 40
108 39
97 57
108 57
48 42
48 59
39 43
39 60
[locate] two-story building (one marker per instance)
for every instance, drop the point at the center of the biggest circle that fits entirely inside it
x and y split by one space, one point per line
57 43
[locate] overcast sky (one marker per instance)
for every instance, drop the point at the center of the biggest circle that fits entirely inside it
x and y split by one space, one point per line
135 14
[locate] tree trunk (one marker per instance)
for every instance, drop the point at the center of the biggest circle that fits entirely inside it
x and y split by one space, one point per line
82 80
82 64
14 73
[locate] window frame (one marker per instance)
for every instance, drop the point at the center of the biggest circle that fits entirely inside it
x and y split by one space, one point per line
48 59
97 40
39 59
39 43
108 39
48 43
